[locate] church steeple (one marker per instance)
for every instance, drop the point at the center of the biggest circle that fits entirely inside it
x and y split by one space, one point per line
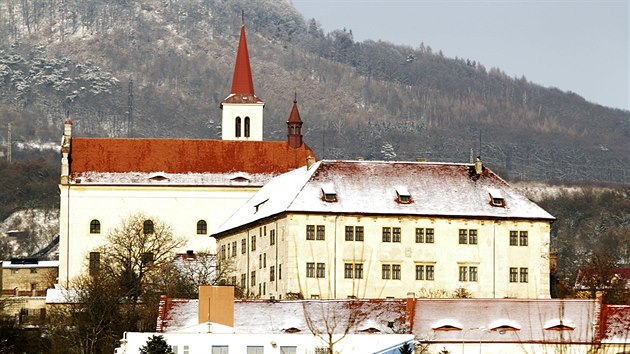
242 82
242 110
294 126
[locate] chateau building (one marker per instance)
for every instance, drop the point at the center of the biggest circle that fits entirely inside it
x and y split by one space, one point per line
339 229
192 185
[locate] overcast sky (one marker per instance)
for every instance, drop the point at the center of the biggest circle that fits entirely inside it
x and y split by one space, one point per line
579 46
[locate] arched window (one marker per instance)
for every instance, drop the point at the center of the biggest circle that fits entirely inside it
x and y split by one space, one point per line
147 227
237 127
95 227
247 127
202 227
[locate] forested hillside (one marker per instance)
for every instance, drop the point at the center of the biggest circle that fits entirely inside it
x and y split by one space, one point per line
159 68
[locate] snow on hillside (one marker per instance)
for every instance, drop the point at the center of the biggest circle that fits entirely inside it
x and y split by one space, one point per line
27 232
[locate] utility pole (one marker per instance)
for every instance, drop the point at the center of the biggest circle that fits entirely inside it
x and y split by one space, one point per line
130 108
9 142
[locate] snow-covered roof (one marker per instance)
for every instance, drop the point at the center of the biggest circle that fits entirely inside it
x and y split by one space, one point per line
287 316
369 187
40 264
617 322
529 318
163 178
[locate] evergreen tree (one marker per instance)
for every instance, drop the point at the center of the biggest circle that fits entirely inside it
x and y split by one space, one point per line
156 345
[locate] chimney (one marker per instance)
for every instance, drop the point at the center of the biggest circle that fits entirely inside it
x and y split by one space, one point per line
310 161
478 166
410 309
216 304
67 128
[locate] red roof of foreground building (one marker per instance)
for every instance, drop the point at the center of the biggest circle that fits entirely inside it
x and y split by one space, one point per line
242 82
184 156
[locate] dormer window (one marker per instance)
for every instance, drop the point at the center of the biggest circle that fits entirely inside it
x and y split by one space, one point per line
496 198
328 193
259 205
402 195
558 324
158 177
447 324
504 325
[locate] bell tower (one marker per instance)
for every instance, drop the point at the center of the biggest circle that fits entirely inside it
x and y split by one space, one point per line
294 127
242 117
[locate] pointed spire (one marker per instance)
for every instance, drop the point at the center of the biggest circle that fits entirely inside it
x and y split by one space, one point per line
294 117
242 83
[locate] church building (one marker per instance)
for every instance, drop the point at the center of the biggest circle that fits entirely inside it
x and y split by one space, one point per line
192 185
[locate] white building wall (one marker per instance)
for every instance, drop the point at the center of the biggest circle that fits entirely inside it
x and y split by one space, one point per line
492 255
273 343
252 110
179 206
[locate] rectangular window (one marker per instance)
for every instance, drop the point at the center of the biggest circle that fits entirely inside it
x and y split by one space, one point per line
280 271
310 232
349 233
419 272
288 350
254 243
272 273
472 273
321 232
259 261
233 280
216 349
255 350
321 270
187 350
430 272
419 235
524 276
523 238
463 273
95 263
310 270
396 234
358 233
243 276
253 278
234 249
358 270
348 270
472 237
272 237
513 275
386 271
429 235
264 260
396 271
463 236
513 238
243 246
229 249
387 234
222 252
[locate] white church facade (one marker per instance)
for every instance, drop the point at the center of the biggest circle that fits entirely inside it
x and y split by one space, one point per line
192 185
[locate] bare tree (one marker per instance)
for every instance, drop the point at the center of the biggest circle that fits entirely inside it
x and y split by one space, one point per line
136 251
333 321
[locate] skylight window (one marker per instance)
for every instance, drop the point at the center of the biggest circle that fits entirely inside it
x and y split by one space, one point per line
496 198
402 195
328 193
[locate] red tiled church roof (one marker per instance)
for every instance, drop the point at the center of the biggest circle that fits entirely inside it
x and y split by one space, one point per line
183 156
